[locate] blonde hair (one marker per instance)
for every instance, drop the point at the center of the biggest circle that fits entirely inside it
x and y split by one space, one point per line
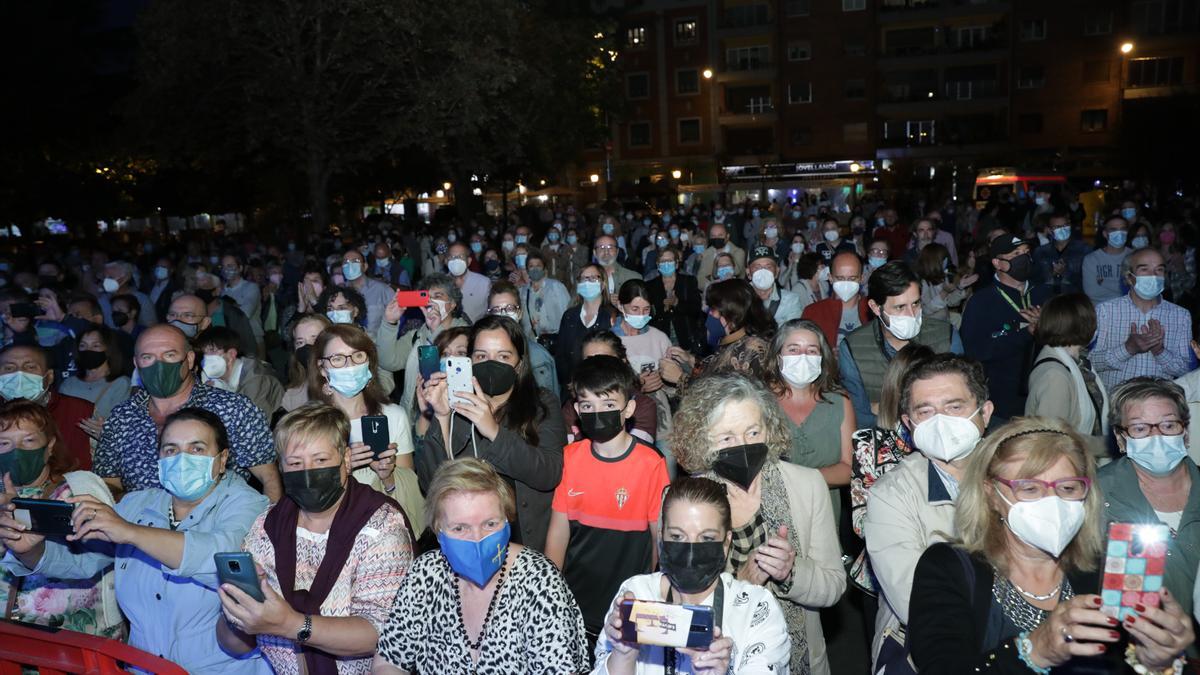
1036 444
466 475
312 422
705 402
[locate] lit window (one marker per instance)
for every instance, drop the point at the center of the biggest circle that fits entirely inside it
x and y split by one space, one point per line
685 31
636 36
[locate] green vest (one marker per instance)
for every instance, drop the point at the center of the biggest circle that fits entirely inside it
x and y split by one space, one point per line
866 346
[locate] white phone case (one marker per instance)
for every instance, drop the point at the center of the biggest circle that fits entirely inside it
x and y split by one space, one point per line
458 376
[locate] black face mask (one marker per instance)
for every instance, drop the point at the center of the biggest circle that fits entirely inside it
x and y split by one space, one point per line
692 567
302 354
717 242
1020 267
91 360
601 426
120 318
44 282
741 464
206 295
314 490
495 377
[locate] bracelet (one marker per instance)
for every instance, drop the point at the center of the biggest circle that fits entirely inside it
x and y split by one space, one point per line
1131 658
1024 649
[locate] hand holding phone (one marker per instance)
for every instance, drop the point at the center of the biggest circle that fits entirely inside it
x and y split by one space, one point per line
47 517
237 570
375 433
647 622
1134 566
459 377
412 298
428 360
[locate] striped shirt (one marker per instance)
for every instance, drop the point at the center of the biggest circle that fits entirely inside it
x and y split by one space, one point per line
1114 364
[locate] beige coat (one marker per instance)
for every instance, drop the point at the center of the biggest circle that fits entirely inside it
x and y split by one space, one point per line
1191 391
903 519
1057 390
818 578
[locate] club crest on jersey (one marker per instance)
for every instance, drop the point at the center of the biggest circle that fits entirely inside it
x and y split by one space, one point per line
622 497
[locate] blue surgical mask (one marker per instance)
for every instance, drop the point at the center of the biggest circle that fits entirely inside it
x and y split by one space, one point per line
520 259
606 228
572 239
1129 213
352 269
698 248
552 236
877 262
1157 454
185 475
1140 243
20 384
589 290
161 273
638 321
476 247
1116 238
1149 286
520 238
724 272
1062 233
477 561
350 380
714 330
674 232
666 268
340 316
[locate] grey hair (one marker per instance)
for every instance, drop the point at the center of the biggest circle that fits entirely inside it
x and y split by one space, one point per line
126 268
1142 388
1127 261
705 401
442 282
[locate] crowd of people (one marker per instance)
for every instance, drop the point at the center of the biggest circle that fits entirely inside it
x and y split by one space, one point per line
760 408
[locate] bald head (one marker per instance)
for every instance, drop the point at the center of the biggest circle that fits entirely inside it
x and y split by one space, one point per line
846 264
164 335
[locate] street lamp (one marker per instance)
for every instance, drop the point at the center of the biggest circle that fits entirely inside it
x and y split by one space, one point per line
1126 47
676 174
595 178
446 186
707 73
855 167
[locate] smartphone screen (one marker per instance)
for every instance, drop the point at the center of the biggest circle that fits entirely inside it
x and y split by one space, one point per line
1134 564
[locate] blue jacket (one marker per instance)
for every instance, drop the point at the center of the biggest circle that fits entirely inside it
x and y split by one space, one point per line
172 612
992 333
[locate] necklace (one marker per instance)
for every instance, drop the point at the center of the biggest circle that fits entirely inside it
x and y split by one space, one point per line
1034 596
1016 608
478 642
171 520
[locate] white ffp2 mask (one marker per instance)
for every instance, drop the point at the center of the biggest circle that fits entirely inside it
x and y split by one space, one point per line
947 437
1048 524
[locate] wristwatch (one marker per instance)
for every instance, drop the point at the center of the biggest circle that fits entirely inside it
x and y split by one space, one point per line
305 633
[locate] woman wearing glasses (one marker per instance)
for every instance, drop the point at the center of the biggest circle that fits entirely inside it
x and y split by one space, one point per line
1154 480
1017 592
594 310
481 603
346 362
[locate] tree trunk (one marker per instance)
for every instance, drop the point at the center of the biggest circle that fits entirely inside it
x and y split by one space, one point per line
318 192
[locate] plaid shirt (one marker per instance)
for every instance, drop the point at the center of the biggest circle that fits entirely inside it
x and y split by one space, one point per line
1115 365
128 447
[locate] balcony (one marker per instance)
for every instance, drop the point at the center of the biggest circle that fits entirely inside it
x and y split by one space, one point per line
745 20
992 42
914 99
742 70
904 11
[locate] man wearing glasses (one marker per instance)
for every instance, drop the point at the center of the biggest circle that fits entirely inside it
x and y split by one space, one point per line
944 404
615 273
1152 481
127 455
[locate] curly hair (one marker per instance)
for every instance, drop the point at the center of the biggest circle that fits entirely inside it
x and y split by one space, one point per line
704 403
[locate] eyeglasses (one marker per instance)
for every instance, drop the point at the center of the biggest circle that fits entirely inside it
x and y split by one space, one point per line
1142 429
1072 489
503 309
606 247
340 360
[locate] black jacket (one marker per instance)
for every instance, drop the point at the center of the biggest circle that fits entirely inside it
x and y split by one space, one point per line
568 348
950 625
687 318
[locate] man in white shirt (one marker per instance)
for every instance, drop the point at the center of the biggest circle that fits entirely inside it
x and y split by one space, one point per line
473 285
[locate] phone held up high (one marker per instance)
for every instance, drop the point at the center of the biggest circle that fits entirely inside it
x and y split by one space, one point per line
458 376
412 298
428 361
1134 563
375 433
666 625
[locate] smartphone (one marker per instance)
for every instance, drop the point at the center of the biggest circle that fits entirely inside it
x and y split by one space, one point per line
412 298
458 376
1134 562
428 360
49 517
649 367
237 569
666 625
24 310
375 433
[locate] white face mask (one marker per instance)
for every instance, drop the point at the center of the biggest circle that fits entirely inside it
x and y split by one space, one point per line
439 307
947 437
771 232
340 316
214 366
638 321
831 235
762 279
800 370
846 290
904 327
456 267
1048 524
